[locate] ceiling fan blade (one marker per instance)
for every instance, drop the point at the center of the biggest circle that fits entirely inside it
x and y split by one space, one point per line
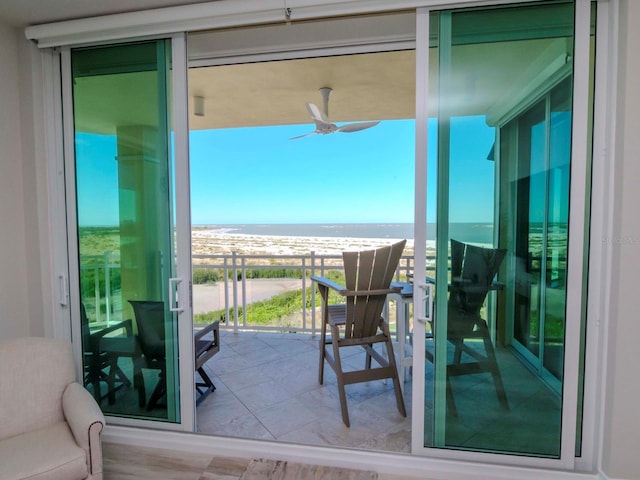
355 127
317 114
324 125
305 135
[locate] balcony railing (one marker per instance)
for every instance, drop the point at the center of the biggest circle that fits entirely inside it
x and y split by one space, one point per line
98 280
234 268
98 274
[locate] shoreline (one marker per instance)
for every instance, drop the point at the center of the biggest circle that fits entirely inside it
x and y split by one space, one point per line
212 242
206 241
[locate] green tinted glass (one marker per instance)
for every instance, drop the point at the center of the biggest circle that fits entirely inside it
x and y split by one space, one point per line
123 185
503 122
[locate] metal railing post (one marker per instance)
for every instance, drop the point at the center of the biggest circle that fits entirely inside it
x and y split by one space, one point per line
107 285
313 295
96 291
244 292
304 293
234 283
226 293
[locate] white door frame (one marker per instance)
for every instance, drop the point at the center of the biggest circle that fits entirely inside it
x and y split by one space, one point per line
575 293
180 211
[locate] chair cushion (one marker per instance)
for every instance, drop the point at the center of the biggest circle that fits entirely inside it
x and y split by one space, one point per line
33 374
50 453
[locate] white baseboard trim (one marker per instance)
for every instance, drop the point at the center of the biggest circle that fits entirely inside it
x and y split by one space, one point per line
402 465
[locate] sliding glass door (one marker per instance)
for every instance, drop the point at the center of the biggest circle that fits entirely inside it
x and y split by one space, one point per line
542 137
498 115
495 367
130 294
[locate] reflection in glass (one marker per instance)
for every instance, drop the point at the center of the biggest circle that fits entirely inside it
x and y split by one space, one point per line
503 113
124 225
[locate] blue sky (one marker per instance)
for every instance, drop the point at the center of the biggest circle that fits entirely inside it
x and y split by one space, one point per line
258 175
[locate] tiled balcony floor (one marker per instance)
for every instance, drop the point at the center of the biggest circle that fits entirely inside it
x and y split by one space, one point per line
267 388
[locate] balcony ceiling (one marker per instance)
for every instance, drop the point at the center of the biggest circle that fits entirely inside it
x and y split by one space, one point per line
257 92
373 86
376 86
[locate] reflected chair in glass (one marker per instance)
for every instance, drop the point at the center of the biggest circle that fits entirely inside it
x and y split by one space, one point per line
150 318
101 351
473 270
358 320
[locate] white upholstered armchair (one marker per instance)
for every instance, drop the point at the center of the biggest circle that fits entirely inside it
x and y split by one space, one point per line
50 425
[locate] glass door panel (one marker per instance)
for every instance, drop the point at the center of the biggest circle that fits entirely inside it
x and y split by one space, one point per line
503 122
531 188
541 233
557 230
124 199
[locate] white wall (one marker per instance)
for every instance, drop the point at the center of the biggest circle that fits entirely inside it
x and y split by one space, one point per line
621 459
36 188
14 292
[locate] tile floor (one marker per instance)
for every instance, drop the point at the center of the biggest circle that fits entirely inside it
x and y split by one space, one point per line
267 388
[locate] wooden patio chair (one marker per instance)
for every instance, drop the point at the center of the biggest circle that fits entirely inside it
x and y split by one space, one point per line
358 321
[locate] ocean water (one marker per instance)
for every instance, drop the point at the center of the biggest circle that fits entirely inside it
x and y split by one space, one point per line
468 232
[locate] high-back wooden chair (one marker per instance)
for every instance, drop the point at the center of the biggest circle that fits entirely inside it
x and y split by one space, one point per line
358 320
473 270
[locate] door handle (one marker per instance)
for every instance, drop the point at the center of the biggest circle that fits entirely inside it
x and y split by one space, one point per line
425 298
63 290
174 300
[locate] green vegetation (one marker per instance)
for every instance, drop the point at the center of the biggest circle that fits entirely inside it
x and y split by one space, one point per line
278 307
206 275
263 312
213 275
97 240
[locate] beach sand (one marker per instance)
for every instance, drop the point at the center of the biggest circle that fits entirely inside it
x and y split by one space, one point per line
213 242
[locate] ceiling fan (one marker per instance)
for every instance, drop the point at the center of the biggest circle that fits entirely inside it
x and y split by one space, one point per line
324 125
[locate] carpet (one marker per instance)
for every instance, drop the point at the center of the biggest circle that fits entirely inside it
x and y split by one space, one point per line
260 469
